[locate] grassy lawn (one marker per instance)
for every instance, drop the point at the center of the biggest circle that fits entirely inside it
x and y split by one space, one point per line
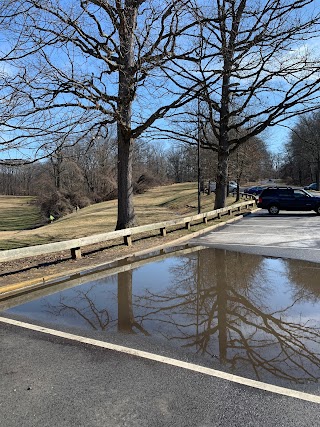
157 204
18 213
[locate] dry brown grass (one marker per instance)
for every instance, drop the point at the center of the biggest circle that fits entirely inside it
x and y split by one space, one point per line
157 204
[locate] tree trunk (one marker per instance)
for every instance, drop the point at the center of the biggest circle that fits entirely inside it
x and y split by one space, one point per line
318 173
222 178
125 311
223 150
126 215
126 94
238 190
222 304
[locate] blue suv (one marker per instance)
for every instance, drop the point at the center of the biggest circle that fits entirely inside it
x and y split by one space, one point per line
288 199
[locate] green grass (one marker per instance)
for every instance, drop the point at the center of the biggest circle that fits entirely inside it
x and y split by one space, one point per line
18 213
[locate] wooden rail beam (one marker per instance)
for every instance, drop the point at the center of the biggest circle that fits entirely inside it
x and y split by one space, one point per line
75 245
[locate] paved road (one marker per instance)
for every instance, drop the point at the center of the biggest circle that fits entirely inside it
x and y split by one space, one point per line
57 380
287 235
49 381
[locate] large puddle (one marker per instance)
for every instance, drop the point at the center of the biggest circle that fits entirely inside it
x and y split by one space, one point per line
251 313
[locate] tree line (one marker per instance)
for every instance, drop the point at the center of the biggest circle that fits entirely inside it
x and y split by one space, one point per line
300 162
220 72
74 177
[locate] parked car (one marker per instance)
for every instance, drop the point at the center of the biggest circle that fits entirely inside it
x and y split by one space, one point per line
232 186
312 186
212 186
289 199
254 190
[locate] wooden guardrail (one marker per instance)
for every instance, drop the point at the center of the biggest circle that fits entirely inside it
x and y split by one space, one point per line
244 194
75 245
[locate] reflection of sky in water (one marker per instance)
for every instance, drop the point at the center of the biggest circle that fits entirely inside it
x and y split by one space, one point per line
282 294
103 292
237 292
157 277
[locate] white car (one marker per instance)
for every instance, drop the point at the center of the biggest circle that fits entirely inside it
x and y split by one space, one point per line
232 186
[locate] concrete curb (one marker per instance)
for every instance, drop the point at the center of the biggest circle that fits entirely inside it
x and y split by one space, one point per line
7 291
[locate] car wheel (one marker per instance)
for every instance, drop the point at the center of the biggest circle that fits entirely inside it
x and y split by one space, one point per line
273 210
318 210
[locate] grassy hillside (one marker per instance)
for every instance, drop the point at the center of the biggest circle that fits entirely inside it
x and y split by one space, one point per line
157 204
18 213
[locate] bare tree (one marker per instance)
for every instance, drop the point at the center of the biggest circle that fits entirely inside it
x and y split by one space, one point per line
303 149
78 67
251 161
258 65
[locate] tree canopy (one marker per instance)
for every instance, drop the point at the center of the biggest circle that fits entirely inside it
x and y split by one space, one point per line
78 67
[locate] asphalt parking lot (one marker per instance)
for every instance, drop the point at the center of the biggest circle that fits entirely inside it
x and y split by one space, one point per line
53 377
289 235
49 381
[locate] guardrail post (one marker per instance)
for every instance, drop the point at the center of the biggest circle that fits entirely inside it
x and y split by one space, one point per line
163 231
74 244
76 253
127 240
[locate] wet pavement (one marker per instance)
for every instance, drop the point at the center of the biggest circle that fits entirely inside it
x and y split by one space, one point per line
287 235
246 302
251 315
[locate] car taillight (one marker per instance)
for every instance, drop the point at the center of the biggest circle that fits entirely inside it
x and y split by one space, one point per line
260 200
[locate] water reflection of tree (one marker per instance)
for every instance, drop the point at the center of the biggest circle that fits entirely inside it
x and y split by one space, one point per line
126 320
217 306
85 303
305 279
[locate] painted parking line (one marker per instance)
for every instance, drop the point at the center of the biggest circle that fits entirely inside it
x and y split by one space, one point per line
168 361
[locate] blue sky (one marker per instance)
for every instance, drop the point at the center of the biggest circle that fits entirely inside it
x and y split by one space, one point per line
275 137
